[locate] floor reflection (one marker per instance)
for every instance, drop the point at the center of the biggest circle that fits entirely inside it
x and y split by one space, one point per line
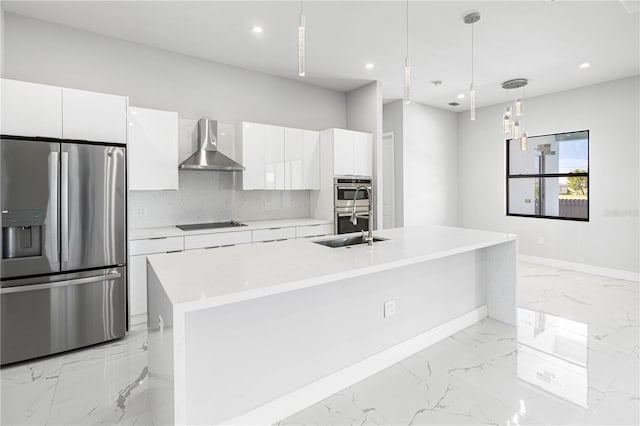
552 354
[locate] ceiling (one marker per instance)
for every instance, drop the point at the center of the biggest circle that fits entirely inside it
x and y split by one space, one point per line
542 40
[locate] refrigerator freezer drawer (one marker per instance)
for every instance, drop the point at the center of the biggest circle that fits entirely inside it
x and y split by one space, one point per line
52 317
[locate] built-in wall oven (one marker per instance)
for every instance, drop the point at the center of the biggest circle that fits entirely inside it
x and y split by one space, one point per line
346 194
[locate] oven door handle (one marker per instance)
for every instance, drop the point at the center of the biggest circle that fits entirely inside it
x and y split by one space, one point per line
358 214
57 284
354 187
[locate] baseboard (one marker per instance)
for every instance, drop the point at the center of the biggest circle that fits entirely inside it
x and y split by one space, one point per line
299 399
581 267
138 319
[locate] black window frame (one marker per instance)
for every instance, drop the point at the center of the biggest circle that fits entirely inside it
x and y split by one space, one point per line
550 175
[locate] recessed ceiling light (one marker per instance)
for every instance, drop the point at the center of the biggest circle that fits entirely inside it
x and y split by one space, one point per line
436 82
453 104
369 66
257 29
461 96
223 134
585 65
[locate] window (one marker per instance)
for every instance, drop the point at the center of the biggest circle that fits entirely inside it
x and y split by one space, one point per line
550 178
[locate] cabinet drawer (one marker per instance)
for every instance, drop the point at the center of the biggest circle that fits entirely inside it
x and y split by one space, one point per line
314 230
156 245
216 240
274 234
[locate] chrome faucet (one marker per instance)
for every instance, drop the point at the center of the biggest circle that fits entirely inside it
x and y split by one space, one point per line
354 215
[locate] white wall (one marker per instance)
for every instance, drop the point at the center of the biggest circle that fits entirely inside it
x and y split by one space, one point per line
364 114
53 54
392 119
430 165
610 111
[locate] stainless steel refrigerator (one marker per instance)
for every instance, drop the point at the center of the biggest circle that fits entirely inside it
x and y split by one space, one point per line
63 268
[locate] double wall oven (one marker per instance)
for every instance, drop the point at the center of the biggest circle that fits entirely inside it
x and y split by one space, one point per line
346 195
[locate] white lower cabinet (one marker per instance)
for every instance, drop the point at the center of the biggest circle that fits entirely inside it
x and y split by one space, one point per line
138 251
314 230
217 239
273 234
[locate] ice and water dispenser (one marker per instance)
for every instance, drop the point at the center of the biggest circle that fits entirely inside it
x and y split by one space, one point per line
22 233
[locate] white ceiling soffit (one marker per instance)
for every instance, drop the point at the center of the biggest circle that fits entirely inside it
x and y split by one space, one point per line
542 40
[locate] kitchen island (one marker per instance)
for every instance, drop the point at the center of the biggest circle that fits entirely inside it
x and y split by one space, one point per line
253 333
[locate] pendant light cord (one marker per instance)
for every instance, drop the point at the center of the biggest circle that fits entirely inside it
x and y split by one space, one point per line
472 70
407 26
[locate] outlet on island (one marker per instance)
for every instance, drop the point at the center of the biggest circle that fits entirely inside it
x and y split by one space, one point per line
389 308
142 212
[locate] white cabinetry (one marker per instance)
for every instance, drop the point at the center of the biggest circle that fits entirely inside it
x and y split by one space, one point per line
273 157
311 160
30 109
153 149
362 154
293 158
342 152
253 149
138 251
280 158
94 116
273 234
352 152
218 239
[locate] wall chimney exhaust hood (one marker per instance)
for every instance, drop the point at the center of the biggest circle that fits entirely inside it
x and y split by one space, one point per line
207 157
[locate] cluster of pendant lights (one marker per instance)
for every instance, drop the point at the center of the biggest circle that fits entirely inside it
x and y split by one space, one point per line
512 118
512 122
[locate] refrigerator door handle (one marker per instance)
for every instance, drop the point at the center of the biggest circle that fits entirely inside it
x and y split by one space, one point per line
64 211
54 163
77 281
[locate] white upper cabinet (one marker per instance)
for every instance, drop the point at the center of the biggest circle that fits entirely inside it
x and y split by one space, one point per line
311 160
293 158
280 158
352 152
153 149
274 157
30 109
342 152
94 116
253 159
362 154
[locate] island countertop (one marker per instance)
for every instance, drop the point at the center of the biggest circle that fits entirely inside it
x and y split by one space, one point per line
198 279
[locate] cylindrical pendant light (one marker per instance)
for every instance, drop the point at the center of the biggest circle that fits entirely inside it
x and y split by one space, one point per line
471 19
523 141
506 120
516 129
301 45
407 65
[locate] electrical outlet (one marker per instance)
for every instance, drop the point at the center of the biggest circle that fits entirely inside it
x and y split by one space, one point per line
142 212
541 240
267 207
389 308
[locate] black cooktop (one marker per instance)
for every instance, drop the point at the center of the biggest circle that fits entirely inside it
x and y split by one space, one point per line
214 225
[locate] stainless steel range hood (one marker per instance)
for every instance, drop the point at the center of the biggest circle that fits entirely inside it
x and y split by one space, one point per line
207 157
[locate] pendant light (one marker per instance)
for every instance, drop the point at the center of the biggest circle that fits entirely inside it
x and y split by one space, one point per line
407 65
512 117
301 44
471 19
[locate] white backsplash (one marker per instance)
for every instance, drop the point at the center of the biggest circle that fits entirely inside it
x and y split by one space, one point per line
207 196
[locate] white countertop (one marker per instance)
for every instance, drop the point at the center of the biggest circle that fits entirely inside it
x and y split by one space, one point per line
197 279
172 231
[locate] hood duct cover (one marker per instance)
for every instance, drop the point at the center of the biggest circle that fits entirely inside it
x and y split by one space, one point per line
207 157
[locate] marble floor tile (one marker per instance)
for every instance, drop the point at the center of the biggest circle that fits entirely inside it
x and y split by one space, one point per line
574 358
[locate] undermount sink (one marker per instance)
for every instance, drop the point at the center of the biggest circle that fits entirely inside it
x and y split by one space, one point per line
347 241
